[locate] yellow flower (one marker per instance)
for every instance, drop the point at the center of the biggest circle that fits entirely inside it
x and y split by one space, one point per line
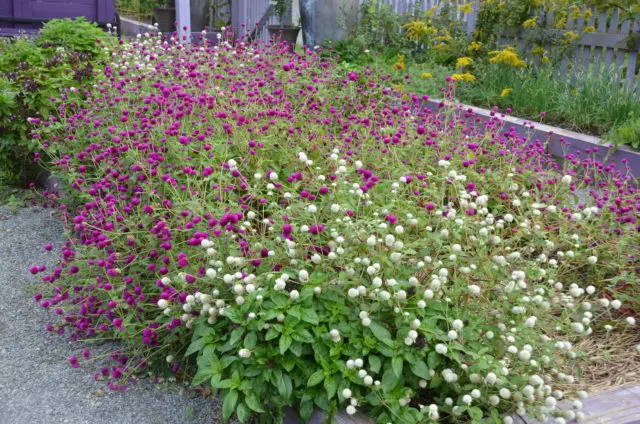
444 38
426 75
545 60
507 56
506 92
575 12
588 14
475 46
398 87
561 23
537 51
431 11
463 61
589 29
464 77
466 8
442 47
530 23
417 30
569 36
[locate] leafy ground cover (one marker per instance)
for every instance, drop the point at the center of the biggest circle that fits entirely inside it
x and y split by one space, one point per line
267 224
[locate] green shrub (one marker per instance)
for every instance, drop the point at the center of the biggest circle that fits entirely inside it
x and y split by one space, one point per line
34 74
76 35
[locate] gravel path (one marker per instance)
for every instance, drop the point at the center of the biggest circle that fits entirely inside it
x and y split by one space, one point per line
37 385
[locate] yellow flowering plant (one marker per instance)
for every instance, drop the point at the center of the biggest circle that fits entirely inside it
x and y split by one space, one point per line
418 30
530 23
475 46
466 77
507 56
463 61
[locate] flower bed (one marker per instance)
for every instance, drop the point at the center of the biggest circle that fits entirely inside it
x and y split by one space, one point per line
266 224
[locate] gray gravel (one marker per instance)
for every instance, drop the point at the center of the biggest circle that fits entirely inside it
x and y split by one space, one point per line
37 385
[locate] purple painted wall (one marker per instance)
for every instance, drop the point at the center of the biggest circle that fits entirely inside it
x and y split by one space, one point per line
101 11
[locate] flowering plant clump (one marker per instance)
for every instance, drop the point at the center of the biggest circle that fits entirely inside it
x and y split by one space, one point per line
287 232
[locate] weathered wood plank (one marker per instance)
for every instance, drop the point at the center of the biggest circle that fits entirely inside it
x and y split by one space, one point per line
621 54
613 29
586 51
575 64
564 64
597 54
631 64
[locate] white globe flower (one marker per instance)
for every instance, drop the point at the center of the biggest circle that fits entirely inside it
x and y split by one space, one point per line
346 393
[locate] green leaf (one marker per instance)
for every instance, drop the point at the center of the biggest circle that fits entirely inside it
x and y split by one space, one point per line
250 340
229 404
272 333
321 400
285 387
381 333
373 399
303 335
420 369
310 316
234 315
252 402
433 360
216 383
374 363
294 312
316 378
389 381
235 336
396 365
331 386
476 414
243 413
285 342
196 346
306 409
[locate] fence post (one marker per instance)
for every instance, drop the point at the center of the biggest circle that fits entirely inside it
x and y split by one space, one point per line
471 18
183 16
